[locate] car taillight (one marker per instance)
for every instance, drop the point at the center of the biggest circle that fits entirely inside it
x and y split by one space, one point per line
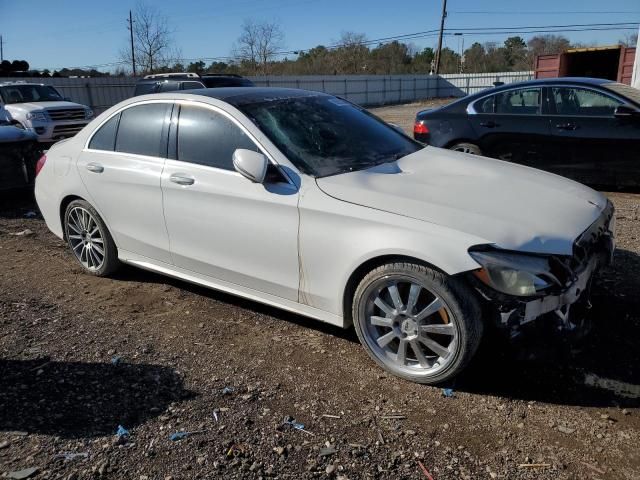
420 128
40 164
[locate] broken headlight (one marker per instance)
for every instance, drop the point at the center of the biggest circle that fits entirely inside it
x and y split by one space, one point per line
512 273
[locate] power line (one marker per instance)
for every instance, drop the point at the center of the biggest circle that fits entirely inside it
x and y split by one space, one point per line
558 12
427 34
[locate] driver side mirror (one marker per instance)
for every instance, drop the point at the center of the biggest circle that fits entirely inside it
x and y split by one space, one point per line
251 165
626 111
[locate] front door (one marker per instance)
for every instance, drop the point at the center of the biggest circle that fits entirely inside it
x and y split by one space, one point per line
598 148
220 224
121 170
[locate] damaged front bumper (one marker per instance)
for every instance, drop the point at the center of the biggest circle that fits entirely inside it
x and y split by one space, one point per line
568 306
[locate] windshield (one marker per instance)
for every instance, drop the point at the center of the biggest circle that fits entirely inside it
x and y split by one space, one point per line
324 135
29 93
631 93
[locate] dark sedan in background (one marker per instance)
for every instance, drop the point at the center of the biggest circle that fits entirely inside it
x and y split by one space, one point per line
583 128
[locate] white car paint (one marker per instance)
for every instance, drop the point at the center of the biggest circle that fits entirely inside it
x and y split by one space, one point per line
296 246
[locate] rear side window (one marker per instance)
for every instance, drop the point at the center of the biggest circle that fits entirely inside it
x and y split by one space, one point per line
519 102
209 138
105 137
140 130
485 105
144 88
191 85
168 86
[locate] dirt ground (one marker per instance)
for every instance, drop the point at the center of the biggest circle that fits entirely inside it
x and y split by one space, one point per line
80 356
404 115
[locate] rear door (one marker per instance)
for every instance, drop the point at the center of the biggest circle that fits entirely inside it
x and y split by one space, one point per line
121 170
510 126
597 148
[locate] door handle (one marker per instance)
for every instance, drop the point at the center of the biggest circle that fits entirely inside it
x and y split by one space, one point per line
489 124
182 179
566 126
95 167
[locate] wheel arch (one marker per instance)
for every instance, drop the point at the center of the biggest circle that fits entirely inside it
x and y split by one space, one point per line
451 143
63 208
363 269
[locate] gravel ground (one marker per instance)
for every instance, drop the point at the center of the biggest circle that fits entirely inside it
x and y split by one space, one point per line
404 115
81 355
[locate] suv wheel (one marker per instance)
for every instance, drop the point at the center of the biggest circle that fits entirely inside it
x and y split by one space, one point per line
89 239
417 323
466 148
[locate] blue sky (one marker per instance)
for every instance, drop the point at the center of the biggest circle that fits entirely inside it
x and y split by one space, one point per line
87 32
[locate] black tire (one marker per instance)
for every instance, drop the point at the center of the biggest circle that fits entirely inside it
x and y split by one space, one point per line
462 311
465 147
110 261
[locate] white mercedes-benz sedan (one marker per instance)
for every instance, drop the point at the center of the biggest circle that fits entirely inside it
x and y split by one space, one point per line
307 202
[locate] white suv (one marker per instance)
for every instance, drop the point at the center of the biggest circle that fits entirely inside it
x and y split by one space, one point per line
41 109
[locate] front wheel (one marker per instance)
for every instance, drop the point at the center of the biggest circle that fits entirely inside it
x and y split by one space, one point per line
89 239
466 148
416 322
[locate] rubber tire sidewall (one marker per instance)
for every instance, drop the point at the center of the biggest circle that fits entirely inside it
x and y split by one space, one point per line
460 301
111 262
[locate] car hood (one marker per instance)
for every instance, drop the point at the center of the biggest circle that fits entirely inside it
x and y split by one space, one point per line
31 106
511 206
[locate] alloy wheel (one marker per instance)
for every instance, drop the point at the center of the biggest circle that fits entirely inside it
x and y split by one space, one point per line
85 238
409 328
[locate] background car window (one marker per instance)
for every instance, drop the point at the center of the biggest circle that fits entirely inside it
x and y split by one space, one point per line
519 102
583 102
105 137
140 129
191 85
168 86
485 105
208 138
144 88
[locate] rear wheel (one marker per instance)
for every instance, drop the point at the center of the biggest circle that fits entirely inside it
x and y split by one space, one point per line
466 148
417 323
89 239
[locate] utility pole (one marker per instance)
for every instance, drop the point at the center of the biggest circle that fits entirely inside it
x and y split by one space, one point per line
1 50
133 54
439 51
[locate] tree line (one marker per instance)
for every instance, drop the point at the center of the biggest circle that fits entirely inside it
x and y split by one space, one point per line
260 50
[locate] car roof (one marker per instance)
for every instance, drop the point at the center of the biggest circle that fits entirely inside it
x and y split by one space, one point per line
183 78
243 95
542 82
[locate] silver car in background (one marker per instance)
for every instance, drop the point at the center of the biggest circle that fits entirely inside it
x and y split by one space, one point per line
307 202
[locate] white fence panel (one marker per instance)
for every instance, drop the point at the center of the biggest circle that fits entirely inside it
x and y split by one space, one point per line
368 90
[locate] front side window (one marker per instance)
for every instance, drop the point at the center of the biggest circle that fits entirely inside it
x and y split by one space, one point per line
208 138
105 137
140 130
29 93
519 102
583 102
323 135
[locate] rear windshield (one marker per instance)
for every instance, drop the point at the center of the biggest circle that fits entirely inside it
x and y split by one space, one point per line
144 88
631 93
218 82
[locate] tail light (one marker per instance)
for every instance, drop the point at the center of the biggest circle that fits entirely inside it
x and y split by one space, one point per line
420 128
40 163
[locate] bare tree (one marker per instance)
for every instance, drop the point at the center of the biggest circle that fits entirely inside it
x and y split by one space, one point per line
152 39
258 44
629 40
352 53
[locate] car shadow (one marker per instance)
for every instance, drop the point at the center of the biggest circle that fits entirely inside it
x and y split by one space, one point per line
77 399
601 370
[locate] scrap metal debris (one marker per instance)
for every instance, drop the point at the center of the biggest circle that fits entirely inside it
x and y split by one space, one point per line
424 470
